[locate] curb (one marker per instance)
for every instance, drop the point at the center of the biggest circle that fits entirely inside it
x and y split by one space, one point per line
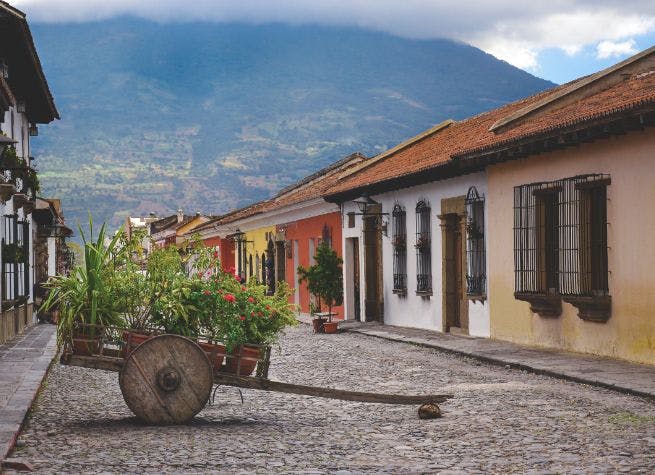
50 356
505 363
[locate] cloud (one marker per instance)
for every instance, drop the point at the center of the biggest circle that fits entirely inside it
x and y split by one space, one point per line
512 30
609 49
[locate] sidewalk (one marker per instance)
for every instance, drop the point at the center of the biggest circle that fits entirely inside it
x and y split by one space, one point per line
623 376
24 362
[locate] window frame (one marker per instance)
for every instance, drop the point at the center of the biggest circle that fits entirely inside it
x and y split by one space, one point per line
561 247
423 247
399 246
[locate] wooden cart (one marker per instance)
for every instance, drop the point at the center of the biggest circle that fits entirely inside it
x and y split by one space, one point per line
168 379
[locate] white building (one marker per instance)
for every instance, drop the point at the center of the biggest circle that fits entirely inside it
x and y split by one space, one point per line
25 101
414 242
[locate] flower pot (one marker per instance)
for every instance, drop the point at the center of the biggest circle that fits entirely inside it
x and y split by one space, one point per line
84 345
318 323
248 355
330 327
132 340
86 342
215 353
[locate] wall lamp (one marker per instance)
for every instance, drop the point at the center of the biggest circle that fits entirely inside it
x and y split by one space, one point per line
364 204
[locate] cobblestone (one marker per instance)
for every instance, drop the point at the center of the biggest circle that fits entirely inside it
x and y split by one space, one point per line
501 420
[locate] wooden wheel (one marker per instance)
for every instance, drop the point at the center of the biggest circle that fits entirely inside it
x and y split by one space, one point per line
166 380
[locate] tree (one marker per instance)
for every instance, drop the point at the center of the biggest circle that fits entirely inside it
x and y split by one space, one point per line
325 277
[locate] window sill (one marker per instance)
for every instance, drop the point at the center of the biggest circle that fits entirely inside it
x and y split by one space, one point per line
424 293
475 298
401 292
591 308
546 305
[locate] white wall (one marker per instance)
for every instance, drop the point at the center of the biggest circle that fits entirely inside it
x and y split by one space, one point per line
412 310
16 126
52 256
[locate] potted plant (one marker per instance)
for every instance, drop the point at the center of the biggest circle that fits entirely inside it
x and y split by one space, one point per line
325 280
85 299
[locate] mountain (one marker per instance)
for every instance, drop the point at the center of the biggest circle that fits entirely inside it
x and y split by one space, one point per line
209 117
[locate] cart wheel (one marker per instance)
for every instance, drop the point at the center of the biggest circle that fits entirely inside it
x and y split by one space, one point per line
166 380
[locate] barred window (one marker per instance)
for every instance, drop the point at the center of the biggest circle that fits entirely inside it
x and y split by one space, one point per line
560 237
476 275
423 248
15 258
399 243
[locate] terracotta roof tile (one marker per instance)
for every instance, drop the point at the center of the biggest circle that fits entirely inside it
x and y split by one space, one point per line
474 134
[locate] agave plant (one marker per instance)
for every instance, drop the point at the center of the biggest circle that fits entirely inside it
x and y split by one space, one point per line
86 295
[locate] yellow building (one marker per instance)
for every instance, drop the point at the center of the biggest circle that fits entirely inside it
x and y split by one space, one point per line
570 197
254 252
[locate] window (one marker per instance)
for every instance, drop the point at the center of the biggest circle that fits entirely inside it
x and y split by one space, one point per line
560 245
351 220
423 248
399 243
476 275
15 258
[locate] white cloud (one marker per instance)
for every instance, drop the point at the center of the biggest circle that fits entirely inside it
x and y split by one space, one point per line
515 31
610 49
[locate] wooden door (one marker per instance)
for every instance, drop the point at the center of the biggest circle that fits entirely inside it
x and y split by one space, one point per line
373 270
453 264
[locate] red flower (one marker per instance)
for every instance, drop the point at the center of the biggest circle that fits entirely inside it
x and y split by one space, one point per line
252 314
251 300
229 297
268 307
260 314
243 288
216 254
242 317
231 270
206 292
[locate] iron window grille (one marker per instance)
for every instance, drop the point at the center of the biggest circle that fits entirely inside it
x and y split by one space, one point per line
560 237
476 275
15 258
423 248
399 243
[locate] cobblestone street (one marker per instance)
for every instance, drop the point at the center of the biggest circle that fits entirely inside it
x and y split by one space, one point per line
500 420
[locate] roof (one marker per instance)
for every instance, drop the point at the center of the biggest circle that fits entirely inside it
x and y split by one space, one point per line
314 186
629 85
26 77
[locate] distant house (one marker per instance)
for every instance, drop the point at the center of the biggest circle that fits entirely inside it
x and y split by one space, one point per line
25 102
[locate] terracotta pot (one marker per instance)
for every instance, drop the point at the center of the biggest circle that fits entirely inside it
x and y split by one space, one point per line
331 327
85 342
132 340
249 356
318 324
84 345
215 353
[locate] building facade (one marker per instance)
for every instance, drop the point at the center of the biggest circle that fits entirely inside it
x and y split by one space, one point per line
25 102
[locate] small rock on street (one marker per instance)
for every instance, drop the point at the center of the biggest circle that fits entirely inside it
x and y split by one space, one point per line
500 420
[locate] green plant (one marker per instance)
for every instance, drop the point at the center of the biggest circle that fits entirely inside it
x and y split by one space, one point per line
235 313
86 295
325 277
12 252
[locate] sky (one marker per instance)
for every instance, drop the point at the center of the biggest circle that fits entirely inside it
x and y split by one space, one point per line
558 40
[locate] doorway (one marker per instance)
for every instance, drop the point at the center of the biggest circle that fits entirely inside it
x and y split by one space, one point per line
373 301
352 279
455 305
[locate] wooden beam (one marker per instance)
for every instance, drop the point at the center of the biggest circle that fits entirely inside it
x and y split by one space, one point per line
268 385
106 363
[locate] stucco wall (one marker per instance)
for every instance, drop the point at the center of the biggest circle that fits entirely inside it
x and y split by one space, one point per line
305 231
413 310
630 331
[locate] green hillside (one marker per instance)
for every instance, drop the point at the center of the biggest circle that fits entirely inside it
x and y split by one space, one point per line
209 117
